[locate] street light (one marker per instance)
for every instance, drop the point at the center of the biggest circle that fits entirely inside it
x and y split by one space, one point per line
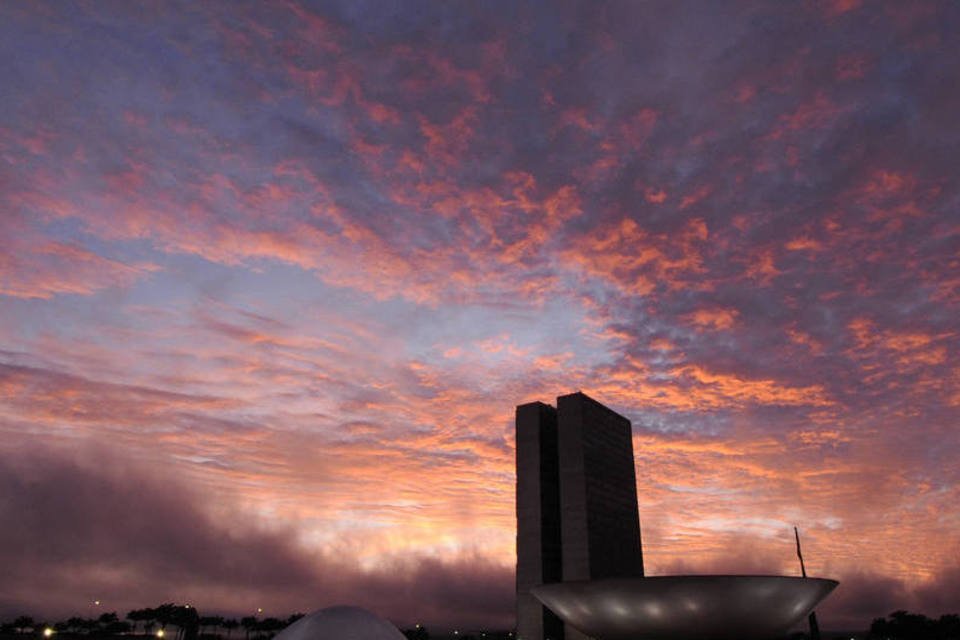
47 632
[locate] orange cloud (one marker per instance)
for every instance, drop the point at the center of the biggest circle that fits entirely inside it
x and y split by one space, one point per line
816 113
636 261
717 386
801 338
699 194
804 243
762 268
662 344
655 196
715 319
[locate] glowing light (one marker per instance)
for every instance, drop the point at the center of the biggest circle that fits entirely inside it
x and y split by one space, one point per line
160 633
47 632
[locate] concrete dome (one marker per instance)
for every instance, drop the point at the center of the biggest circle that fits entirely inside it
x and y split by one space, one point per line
340 623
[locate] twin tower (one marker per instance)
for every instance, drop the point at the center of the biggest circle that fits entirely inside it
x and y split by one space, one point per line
577 516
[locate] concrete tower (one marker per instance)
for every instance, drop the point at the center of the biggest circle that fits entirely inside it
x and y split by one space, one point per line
577 516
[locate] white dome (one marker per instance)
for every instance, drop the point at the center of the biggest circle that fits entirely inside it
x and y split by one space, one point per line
340 623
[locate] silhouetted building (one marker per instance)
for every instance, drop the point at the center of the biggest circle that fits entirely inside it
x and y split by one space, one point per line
577 516
539 554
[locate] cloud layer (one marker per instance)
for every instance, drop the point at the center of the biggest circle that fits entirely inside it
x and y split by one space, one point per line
103 528
305 259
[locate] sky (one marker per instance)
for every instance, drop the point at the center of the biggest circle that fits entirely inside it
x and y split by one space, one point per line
276 274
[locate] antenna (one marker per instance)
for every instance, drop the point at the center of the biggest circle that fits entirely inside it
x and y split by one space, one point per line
803 570
812 618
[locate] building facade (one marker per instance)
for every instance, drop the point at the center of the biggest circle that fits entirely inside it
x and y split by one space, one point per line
577 516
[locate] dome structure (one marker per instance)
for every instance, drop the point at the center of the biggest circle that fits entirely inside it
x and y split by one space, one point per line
340 623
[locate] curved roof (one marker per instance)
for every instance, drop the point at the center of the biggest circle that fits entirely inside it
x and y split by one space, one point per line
685 607
342 623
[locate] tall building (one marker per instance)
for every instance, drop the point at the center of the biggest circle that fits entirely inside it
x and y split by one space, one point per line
577 516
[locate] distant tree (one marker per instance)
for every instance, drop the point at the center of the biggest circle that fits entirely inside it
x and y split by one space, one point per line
149 619
120 627
140 615
164 614
293 618
106 620
267 627
902 625
187 620
210 621
249 623
910 626
948 627
134 617
75 624
230 625
90 625
22 623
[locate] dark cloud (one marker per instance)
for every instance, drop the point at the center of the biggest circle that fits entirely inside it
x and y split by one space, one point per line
942 594
87 516
862 597
87 524
738 559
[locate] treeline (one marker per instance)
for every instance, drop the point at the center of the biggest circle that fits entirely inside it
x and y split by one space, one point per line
902 625
167 621
183 622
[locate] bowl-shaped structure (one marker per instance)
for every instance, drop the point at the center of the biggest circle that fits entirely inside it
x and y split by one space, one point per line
685 607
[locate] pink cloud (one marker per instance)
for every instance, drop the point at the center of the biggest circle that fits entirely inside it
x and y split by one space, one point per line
47 269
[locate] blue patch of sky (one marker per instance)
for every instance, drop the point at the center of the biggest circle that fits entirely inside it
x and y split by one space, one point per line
679 422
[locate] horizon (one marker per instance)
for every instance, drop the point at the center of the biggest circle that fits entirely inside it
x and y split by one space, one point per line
275 277
237 620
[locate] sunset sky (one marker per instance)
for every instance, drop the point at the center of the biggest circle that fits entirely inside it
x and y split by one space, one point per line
275 275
